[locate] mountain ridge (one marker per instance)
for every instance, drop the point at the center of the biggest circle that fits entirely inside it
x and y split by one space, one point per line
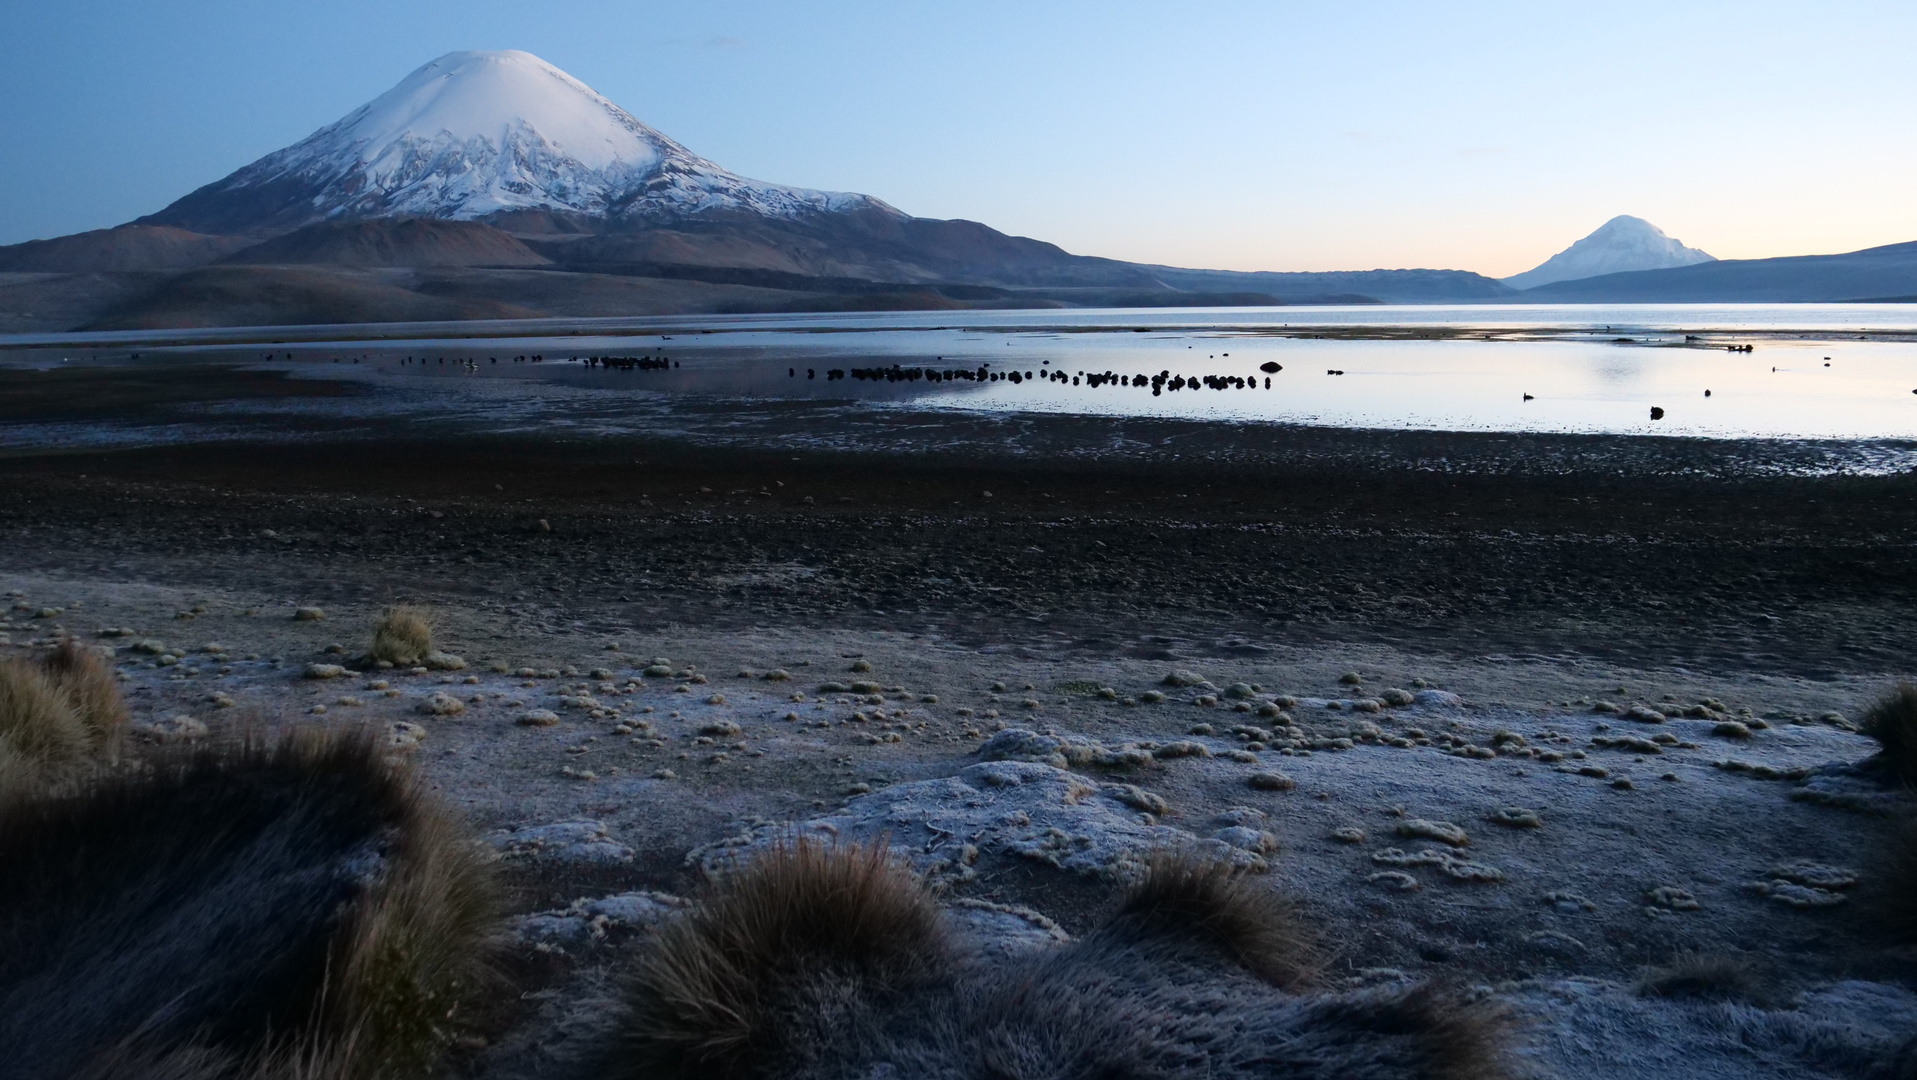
1882 273
471 134
1620 245
508 140
479 163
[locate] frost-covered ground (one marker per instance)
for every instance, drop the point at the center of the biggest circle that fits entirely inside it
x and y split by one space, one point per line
1544 832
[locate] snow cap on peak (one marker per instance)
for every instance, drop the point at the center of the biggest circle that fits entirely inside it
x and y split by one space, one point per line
1620 245
474 134
1627 225
489 95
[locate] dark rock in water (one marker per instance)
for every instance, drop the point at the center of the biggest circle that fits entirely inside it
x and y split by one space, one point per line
1657 413
1271 367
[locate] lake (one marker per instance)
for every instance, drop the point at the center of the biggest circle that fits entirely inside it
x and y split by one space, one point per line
1766 371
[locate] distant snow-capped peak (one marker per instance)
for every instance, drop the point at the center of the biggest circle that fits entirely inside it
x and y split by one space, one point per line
1622 244
474 133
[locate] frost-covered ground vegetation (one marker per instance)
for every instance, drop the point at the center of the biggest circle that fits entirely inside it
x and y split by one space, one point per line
1584 775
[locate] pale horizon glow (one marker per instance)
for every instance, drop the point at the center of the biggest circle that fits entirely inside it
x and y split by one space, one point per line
1233 135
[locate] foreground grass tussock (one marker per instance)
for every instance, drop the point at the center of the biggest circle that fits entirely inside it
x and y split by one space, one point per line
37 725
285 909
816 962
403 636
1218 905
57 710
713 992
1892 721
92 690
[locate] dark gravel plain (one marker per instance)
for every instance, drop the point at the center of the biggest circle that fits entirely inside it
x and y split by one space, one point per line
1111 532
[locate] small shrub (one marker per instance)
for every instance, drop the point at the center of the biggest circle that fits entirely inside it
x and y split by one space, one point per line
403 637
1892 721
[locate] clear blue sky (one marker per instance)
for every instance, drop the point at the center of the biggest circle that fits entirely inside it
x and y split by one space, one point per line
1311 136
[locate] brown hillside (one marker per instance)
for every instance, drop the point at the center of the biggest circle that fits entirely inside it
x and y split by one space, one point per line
287 296
128 247
393 242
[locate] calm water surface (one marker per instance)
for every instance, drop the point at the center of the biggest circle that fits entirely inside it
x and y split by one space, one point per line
1815 371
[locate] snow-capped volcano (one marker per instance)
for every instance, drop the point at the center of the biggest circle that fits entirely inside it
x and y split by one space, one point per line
476 133
1621 244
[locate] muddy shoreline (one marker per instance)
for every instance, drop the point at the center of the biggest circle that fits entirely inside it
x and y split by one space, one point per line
1805 575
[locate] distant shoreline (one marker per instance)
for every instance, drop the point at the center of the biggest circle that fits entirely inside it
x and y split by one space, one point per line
1110 321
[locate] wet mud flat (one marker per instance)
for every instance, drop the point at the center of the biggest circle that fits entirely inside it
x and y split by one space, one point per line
1108 531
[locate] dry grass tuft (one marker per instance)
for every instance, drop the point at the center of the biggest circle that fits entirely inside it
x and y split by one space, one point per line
802 917
1182 895
1702 976
403 636
56 711
295 909
1892 721
92 690
38 725
409 955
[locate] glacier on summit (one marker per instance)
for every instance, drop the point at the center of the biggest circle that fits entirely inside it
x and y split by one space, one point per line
1620 245
473 134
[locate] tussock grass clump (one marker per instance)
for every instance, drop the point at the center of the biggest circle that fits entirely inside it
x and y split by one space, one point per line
1706 976
56 711
298 908
1183 896
403 636
92 690
406 959
1892 721
813 961
37 723
709 996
